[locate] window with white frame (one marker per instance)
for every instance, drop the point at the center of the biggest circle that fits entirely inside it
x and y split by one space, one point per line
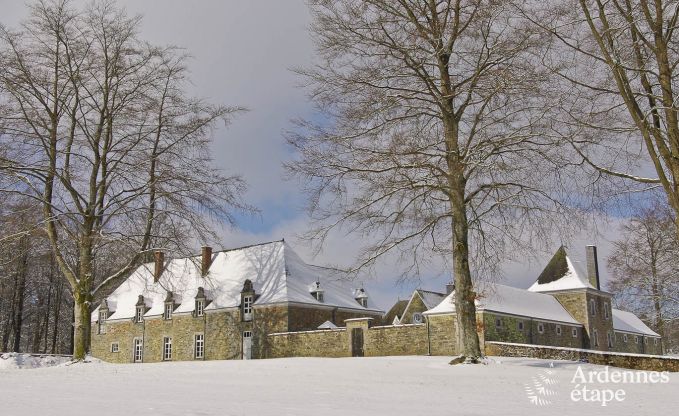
364 302
596 338
168 311
199 346
558 329
646 340
636 339
624 338
167 348
115 347
609 338
592 307
541 327
247 307
200 307
138 350
102 320
575 332
519 325
606 313
320 297
655 341
139 317
498 322
417 318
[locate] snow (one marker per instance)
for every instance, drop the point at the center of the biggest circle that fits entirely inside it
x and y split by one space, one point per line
316 386
575 278
327 325
430 299
278 275
628 322
14 360
513 301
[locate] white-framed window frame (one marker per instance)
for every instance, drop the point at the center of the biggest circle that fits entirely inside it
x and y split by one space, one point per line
606 313
541 328
595 336
519 325
636 339
115 347
199 346
574 332
167 313
139 314
624 338
138 350
609 339
592 307
200 307
558 330
418 318
248 300
499 323
167 348
655 341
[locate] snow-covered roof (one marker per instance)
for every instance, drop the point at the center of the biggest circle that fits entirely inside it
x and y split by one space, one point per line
327 325
561 273
513 301
430 299
277 273
629 322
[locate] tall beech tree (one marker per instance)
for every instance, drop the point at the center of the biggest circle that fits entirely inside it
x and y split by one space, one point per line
427 135
96 127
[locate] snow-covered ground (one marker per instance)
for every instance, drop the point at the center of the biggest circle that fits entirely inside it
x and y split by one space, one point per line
319 387
12 360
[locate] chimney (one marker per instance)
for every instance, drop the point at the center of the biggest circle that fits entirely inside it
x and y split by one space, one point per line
159 257
593 267
450 287
206 259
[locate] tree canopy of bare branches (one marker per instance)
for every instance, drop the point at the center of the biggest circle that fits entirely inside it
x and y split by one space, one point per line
645 270
97 128
429 135
618 63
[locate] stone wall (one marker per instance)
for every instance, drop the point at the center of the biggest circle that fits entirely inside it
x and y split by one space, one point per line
396 340
442 334
577 303
632 361
331 343
509 330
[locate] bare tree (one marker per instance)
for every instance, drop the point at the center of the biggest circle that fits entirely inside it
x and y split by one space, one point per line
644 268
104 137
429 139
619 59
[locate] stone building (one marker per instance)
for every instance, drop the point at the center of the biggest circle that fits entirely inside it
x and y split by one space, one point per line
565 307
221 305
420 301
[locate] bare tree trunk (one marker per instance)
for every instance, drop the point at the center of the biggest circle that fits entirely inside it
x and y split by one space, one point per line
22 270
57 307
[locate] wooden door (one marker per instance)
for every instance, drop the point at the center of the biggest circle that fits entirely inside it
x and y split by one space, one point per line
357 342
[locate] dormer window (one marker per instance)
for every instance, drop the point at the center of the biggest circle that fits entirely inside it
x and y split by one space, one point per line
169 306
247 296
103 314
317 292
168 311
200 307
247 308
361 297
139 317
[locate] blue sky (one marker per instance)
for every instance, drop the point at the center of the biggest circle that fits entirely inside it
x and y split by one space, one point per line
242 54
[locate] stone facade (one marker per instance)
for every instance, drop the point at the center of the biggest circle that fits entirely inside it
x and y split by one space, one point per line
593 310
637 344
222 331
526 330
442 334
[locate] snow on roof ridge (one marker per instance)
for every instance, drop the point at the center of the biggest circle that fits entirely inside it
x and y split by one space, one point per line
625 321
572 277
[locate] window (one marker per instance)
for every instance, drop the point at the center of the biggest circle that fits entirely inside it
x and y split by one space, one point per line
247 308
646 340
102 316
319 296
596 338
558 329
519 325
592 307
138 350
101 329
575 332
606 310
168 311
200 307
199 346
498 323
167 349
624 338
417 318
636 339
541 328
655 341
363 302
609 338
140 314
115 347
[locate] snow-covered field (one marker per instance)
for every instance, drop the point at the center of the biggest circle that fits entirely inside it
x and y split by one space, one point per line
319 387
12 360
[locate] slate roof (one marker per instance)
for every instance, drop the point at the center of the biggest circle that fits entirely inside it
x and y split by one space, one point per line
629 322
561 273
395 311
278 275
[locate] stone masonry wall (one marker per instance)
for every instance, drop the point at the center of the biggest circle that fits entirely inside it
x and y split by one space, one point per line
396 340
632 361
331 343
442 334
